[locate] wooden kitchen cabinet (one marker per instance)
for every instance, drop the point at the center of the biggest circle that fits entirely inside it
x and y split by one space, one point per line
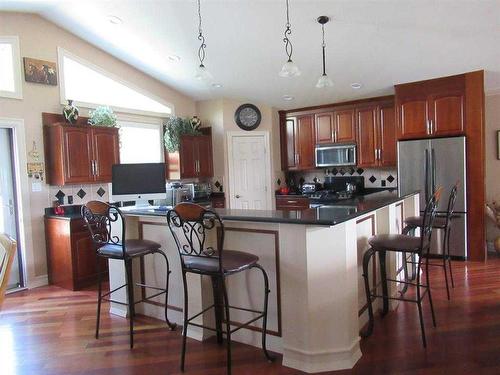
305 142
325 127
345 126
291 202
432 108
79 153
195 153
71 258
289 156
376 135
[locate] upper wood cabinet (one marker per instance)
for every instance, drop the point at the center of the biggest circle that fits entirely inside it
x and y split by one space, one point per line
345 125
305 142
336 127
289 152
432 108
79 153
376 135
193 160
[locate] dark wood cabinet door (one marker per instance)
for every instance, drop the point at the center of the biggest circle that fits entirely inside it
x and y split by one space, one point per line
387 136
84 258
324 127
447 114
367 136
305 142
291 143
105 152
77 154
187 156
345 125
413 118
204 148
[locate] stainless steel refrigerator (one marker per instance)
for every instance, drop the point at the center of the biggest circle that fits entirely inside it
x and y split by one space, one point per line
427 164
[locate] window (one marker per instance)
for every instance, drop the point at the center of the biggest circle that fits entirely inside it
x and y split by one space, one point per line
10 68
90 86
140 142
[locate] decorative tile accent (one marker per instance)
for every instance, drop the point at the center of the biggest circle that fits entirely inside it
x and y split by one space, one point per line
60 195
217 184
372 179
335 171
81 193
315 179
360 171
342 172
301 181
390 178
100 192
351 171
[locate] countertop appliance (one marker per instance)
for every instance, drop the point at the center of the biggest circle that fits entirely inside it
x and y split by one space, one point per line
335 155
427 164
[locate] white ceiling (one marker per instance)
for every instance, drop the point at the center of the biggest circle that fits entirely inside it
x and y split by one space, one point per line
376 43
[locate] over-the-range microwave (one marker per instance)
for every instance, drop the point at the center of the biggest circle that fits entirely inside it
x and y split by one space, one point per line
335 155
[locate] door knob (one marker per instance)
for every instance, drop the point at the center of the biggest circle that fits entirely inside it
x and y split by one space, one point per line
237 196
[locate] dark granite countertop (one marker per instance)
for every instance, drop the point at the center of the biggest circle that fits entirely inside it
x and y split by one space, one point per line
325 215
70 213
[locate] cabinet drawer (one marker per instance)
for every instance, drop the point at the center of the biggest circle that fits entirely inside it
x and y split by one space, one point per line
291 203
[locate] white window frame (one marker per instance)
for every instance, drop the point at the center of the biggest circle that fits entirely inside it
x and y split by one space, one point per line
18 79
149 122
61 53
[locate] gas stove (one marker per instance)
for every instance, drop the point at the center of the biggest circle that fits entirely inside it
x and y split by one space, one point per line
329 196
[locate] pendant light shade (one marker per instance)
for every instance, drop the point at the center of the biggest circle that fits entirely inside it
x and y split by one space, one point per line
289 69
323 81
202 73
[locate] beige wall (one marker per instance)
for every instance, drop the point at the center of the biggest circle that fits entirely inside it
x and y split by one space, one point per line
40 39
219 114
492 163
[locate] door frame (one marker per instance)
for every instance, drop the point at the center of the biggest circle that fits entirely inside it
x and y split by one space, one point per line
229 137
21 187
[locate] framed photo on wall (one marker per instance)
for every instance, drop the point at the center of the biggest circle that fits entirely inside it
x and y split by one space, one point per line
40 71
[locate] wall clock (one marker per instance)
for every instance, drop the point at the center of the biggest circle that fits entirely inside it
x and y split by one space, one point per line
247 116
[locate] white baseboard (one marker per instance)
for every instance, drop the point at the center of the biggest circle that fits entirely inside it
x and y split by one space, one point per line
38 281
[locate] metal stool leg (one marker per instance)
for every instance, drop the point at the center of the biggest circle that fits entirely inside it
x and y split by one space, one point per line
228 326
448 256
264 318
171 326
366 261
185 325
383 277
130 297
218 306
419 305
405 273
429 292
99 298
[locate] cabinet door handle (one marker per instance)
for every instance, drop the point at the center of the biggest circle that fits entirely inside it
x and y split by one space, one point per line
376 154
379 154
298 158
96 168
92 164
292 202
432 126
428 127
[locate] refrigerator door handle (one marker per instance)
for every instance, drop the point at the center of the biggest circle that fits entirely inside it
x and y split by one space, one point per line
426 174
433 166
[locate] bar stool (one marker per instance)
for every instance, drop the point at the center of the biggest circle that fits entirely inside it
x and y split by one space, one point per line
404 244
190 225
442 223
99 217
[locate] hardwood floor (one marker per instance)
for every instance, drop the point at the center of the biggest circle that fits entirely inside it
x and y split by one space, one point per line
50 331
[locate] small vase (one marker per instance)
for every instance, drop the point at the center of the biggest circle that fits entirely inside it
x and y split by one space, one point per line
70 112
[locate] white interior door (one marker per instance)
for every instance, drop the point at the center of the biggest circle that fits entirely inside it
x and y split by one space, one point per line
8 217
248 172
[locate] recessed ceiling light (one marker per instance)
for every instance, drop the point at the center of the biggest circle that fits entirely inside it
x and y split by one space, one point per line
356 85
115 20
174 58
217 85
288 97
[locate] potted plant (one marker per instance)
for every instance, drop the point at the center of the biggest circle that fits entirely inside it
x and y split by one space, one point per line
102 116
175 127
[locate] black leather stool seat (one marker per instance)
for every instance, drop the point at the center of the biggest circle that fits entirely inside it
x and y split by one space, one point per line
416 222
132 247
395 242
232 261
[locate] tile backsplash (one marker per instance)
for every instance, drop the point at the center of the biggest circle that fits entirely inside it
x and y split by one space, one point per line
374 177
80 194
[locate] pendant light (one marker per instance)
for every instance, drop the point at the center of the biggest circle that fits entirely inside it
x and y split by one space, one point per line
202 73
289 69
324 80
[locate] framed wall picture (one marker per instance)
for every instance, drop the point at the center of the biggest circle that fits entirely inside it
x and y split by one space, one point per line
498 144
40 71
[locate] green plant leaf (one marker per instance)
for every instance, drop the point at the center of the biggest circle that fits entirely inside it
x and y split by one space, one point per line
175 127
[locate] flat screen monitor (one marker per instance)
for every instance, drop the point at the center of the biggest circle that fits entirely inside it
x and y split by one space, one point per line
139 182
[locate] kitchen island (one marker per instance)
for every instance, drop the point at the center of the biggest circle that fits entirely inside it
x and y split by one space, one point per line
313 258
